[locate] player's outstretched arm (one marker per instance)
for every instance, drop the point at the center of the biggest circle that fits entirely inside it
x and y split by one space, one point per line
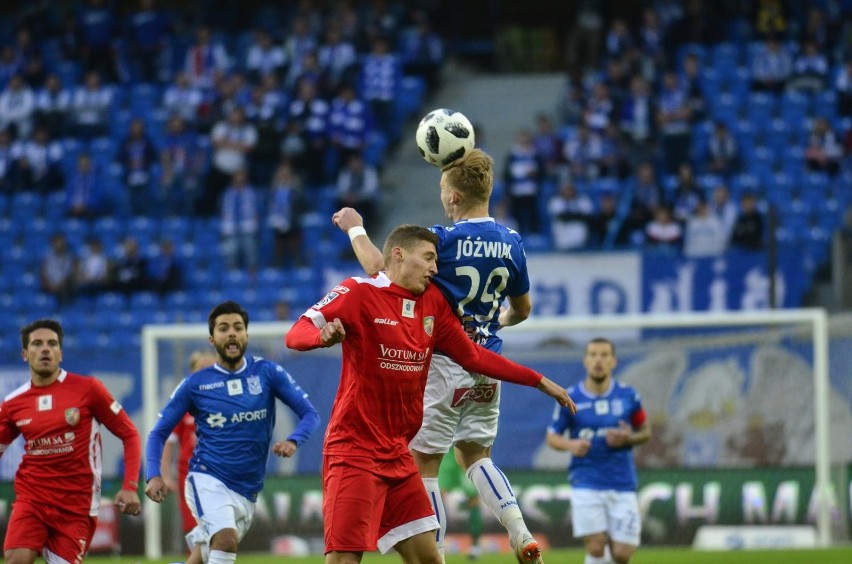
156 489
350 222
557 392
127 501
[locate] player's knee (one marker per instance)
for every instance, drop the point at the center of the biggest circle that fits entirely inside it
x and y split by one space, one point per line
622 553
225 540
595 545
19 556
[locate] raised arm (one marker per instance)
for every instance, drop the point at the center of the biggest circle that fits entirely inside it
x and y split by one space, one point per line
350 222
518 310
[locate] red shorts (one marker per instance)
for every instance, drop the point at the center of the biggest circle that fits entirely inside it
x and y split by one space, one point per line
46 528
365 500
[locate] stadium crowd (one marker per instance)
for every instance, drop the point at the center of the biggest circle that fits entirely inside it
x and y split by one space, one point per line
163 141
678 135
143 143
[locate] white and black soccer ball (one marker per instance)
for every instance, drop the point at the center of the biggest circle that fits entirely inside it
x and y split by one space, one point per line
443 136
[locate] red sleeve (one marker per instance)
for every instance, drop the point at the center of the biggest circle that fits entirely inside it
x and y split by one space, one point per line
638 418
339 302
110 413
452 340
303 336
8 430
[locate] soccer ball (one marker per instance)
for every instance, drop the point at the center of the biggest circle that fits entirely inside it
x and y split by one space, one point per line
443 136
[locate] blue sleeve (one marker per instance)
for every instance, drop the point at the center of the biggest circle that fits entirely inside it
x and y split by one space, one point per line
170 416
294 397
561 421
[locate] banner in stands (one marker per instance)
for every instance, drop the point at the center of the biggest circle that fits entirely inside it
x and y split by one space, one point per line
617 283
673 503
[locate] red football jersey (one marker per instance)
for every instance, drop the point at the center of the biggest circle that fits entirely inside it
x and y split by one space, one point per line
61 426
390 336
184 433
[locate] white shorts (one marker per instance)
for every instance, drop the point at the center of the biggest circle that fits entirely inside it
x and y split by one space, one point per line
606 511
215 507
457 406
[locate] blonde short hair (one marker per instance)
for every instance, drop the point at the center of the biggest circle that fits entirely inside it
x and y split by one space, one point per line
472 176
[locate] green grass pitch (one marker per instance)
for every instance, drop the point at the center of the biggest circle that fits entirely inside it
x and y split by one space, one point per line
642 556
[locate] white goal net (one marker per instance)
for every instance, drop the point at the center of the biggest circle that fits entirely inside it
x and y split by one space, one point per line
733 391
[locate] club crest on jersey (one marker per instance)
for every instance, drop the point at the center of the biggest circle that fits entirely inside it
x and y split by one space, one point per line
408 308
329 297
45 403
617 407
254 385
72 415
429 324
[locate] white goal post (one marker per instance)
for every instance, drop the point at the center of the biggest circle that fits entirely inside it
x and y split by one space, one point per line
816 320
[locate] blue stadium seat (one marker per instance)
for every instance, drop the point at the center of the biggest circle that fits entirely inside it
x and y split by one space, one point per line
411 93
68 73
178 229
780 186
144 229
75 230
236 278
746 182
761 162
178 300
38 304
144 301
816 183
144 98
202 280
108 229
794 106
110 303
275 278
761 106
710 83
26 204
825 105
726 107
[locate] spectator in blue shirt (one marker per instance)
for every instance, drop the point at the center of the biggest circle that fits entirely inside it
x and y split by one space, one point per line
97 31
148 40
381 76
349 122
183 162
523 173
137 155
83 198
240 223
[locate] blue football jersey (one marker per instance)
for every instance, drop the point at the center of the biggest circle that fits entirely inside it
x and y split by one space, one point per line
603 467
234 417
480 262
